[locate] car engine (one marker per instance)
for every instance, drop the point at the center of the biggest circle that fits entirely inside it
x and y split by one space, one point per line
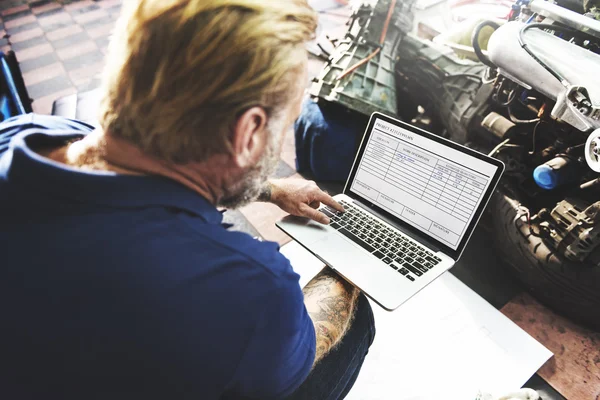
531 99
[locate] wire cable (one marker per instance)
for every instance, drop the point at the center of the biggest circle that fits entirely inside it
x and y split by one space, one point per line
516 120
467 75
358 64
531 18
525 47
497 148
487 78
509 99
533 138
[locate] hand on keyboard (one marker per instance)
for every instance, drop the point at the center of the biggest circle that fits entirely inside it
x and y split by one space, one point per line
302 198
394 249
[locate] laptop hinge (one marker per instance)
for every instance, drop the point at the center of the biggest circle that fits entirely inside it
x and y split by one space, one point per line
398 225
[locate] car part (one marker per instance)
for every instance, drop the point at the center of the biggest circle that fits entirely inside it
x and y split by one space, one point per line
569 287
573 228
436 78
566 17
576 104
592 151
369 42
558 171
535 106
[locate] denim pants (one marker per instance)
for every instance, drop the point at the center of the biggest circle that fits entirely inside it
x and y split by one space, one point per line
334 375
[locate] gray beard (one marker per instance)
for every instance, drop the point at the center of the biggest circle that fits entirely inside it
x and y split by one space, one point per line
250 186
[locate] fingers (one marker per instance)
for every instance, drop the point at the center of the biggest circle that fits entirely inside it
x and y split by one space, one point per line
313 214
328 200
315 204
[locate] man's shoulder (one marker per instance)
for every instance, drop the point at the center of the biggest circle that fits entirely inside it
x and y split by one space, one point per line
43 123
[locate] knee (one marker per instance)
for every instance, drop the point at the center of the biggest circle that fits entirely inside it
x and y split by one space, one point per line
364 319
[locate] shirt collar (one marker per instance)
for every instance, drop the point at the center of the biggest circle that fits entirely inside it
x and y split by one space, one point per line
22 166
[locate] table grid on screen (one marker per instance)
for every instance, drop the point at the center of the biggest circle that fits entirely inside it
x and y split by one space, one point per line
451 188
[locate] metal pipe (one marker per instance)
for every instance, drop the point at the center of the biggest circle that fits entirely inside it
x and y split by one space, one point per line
592 183
567 17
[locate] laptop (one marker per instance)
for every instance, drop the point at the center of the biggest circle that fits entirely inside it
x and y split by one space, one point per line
412 201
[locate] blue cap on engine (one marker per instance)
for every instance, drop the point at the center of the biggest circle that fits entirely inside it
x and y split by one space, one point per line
546 177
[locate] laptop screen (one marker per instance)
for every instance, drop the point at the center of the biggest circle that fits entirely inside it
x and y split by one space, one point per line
433 187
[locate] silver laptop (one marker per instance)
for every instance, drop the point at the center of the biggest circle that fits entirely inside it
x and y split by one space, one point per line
412 201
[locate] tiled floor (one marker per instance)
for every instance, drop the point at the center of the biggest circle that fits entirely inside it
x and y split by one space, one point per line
60 45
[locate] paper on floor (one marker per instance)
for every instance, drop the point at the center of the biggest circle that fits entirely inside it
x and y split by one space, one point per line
445 343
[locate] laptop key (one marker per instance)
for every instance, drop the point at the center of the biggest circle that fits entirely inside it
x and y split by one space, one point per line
326 212
387 260
334 225
410 278
412 269
403 271
419 266
356 240
379 255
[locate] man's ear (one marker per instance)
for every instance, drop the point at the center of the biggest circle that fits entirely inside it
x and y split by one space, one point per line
249 137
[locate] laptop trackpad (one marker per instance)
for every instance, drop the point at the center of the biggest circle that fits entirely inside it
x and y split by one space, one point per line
304 230
337 251
353 262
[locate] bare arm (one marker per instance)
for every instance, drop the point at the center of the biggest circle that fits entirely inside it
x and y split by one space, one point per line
298 197
330 302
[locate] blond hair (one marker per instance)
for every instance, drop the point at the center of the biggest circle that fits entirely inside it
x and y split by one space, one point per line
180 72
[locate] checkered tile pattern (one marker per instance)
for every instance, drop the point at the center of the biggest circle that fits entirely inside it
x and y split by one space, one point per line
60 45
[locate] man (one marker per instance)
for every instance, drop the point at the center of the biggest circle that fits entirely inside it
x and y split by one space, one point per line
118 280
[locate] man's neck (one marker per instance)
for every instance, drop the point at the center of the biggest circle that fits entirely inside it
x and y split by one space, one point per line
103 152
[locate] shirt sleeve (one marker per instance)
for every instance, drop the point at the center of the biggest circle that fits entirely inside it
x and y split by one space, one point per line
13 126
281 352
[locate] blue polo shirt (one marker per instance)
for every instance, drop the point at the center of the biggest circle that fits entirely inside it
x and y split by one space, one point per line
130 287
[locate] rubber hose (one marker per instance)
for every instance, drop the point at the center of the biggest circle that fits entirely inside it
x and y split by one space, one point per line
475 42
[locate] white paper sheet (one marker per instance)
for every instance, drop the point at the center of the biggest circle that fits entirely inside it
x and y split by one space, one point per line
444 343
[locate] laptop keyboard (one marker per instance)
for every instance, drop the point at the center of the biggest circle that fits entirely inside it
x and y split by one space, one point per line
396 250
